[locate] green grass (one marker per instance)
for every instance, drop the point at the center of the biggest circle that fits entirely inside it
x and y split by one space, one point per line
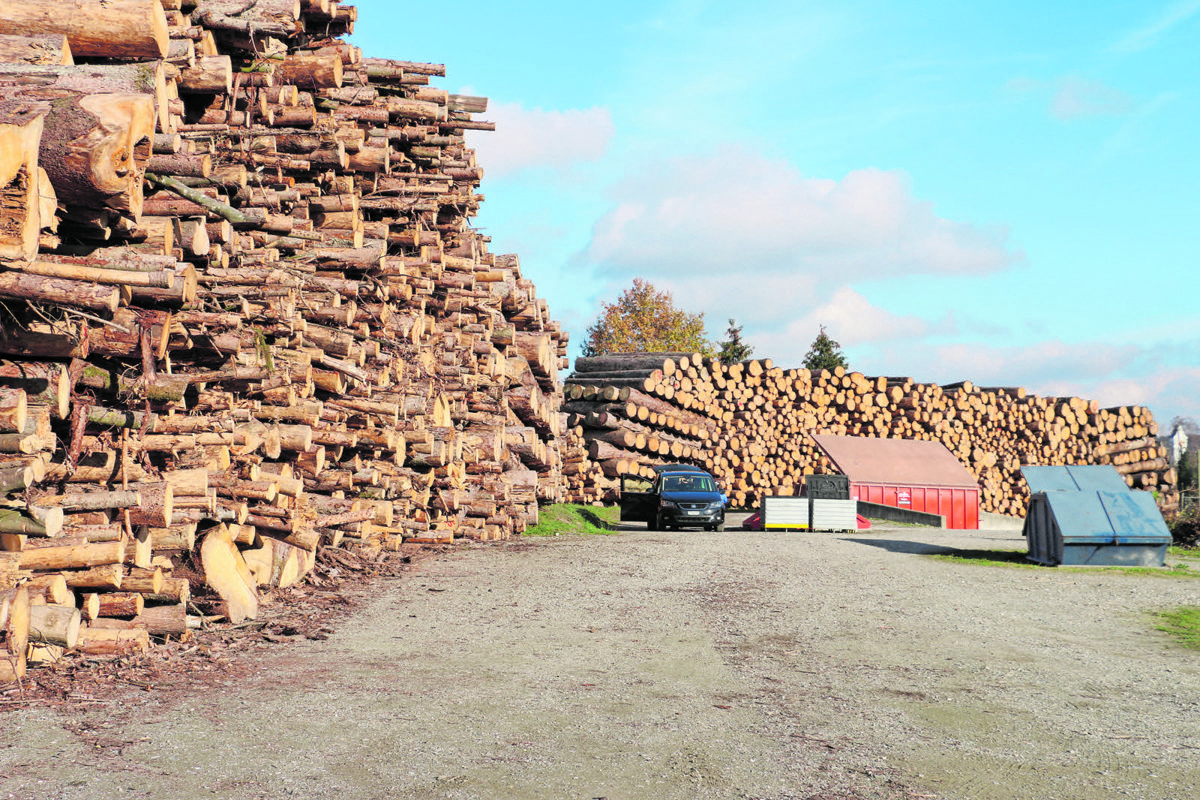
987 558
1183 624
563 518
1185 567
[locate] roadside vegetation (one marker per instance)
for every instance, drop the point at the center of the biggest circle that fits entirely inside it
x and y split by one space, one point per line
1185 528
1181 562
564 518
1183 624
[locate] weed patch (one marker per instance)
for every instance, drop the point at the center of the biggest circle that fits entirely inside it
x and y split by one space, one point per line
1183 624
1187 567
564 518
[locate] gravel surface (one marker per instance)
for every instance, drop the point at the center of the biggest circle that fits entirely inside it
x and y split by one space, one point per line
672 665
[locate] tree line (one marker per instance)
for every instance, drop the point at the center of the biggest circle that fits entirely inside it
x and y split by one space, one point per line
644 319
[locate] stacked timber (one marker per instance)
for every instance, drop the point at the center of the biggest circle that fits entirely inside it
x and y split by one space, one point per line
246 317
751 423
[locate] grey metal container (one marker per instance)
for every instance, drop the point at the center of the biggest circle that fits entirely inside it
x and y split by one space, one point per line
828 487
786 513
834 515
1087 516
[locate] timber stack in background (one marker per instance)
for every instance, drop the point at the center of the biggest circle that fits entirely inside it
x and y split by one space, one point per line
750 424
245 318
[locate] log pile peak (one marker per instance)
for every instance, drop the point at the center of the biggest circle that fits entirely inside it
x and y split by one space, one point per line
245 318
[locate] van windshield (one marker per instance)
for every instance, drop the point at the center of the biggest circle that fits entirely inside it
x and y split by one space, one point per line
688 483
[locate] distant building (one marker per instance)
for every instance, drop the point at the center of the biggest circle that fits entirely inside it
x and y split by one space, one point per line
1183 442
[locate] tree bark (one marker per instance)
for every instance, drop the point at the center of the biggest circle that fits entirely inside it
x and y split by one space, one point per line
21 125
129 29
100 132
47 50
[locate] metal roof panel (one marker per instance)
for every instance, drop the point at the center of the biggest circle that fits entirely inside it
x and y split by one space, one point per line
910 462
1074 478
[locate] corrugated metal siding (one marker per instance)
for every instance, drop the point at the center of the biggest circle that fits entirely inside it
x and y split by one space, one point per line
785 513
834 515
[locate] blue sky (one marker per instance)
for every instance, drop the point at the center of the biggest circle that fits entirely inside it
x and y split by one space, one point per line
1002 192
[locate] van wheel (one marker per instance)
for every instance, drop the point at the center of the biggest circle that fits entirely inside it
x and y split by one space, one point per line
652 524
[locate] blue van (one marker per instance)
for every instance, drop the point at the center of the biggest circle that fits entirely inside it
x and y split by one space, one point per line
679 496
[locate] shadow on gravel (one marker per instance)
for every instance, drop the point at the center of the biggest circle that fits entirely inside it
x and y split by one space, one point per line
600 522
923 549
898 546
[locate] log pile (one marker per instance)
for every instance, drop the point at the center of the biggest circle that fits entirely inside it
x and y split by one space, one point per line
246 317
750 424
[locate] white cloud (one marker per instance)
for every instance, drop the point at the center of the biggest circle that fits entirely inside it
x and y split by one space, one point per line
1113 375
532 138
738 211
851 320
1149 35
1077 98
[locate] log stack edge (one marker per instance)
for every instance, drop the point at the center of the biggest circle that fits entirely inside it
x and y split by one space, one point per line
245 318
750 424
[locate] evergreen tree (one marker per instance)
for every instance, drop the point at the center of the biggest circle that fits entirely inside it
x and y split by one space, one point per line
733 349
825 353
644 319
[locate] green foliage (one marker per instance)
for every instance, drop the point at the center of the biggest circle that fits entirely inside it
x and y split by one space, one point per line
1183 624
645 320
987 558
825 353
1185 527
733 349
1017 558
564 518
1185 471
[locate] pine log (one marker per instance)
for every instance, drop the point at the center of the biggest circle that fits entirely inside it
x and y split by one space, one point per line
41 50
54 624
99 134
129 29
33 521
44 383
46 559
225 571
112 642
14 621
21 127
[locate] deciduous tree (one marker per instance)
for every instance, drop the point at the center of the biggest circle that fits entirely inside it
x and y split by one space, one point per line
644 319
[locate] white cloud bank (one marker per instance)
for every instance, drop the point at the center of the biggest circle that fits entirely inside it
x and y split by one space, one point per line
1171 17
532 138
1077 98
739 212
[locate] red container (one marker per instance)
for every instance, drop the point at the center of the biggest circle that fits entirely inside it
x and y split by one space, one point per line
917 475
960 506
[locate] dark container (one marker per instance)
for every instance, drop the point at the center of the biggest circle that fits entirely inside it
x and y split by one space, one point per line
827 487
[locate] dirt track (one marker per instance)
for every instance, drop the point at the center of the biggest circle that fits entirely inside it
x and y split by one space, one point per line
673 665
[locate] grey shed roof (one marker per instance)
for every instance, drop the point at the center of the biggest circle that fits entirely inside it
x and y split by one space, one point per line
1082 478
1094 504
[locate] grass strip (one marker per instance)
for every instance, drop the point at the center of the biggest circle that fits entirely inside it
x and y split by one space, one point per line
1183 624
565 518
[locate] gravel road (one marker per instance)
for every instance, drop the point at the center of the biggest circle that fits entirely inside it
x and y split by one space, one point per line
673 665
